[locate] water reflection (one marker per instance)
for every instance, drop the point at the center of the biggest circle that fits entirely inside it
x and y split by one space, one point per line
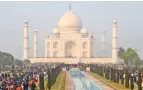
82 83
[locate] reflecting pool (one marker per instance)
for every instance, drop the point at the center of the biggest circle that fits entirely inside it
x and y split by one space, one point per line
81 82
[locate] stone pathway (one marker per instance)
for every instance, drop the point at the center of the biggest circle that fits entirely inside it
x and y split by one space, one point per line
69 83
98 82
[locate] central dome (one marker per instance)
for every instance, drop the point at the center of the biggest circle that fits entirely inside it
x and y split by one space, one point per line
70 20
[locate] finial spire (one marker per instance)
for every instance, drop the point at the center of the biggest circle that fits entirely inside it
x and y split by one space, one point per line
70 7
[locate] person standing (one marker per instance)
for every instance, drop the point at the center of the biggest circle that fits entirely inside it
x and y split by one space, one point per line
3 87
25 86
12 87
19 87
8 87
22 86
33 85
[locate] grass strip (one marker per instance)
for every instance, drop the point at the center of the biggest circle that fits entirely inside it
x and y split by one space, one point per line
115 86
60 82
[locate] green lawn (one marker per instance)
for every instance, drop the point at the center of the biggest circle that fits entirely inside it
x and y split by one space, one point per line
59 84
115 86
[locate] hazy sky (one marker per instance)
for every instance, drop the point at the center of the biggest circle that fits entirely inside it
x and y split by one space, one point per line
95 17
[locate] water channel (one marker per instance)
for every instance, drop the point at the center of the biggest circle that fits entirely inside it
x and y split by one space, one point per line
81 82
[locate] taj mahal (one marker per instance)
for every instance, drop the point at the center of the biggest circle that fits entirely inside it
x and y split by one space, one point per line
70 43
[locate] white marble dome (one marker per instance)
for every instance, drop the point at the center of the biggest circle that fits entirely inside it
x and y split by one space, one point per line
55 30
70 20
84 31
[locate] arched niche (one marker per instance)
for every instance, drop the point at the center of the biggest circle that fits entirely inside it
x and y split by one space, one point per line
84 54
48 45
84 45
70 49
55 45
55 54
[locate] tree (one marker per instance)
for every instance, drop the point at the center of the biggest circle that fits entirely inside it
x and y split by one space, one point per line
132 83
18 62
126 78
41 77
139 82
122 78
121 50
118 77
6 58
136 61
13 67
129 56
49 80
26 62
114 75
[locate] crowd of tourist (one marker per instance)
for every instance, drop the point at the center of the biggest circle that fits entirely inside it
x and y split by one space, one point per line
28 79
20 81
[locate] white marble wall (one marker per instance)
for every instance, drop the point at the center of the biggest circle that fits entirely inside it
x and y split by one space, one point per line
72 60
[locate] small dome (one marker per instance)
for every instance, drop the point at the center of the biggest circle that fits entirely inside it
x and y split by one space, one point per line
70 20
114 21
55 30
35 30
84 31
103 31
25 21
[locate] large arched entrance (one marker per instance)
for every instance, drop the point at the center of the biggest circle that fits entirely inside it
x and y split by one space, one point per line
70 48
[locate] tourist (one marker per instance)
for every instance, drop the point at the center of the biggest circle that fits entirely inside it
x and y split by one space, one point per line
25 86
0 87
8 87
12 86
3 87
22 86
33 86
19 87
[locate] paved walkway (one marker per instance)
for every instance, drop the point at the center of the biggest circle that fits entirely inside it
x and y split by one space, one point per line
69 83
98 82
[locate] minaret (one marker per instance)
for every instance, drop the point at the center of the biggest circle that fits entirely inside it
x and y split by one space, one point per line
35 44
46 50
26 40
114 43
103 44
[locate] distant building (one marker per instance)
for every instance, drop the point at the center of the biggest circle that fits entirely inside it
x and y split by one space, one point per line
70 43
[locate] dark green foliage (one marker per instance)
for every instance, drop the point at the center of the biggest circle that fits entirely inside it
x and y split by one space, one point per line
126 78
55 72
114 75
26 62
108 73
52 76
13 67
139 82
18 62
122 78
6 58
118 77
132 83
121 50
41 77
122 81
49 81
129 55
